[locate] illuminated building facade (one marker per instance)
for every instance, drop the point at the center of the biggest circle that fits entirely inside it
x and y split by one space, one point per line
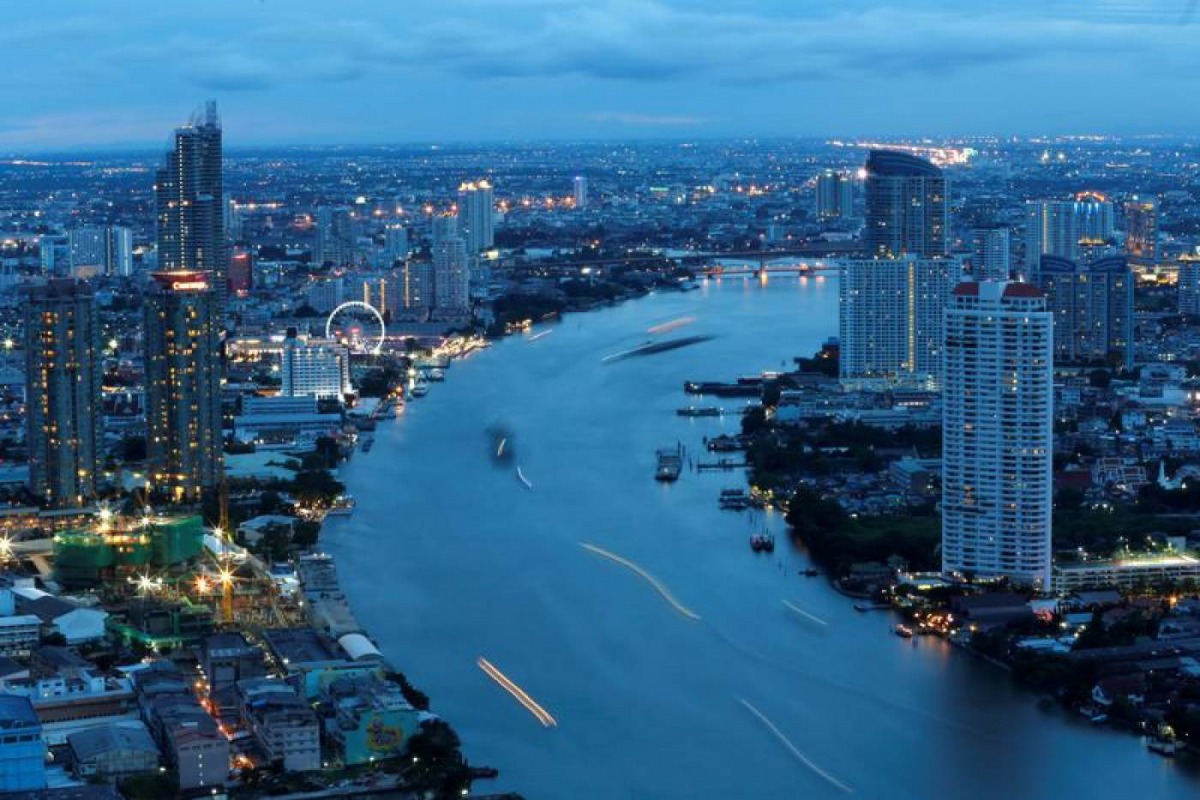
997 433
1092 306
314 368
101 251
190 203
580 191
1141 229
1066 228
451 278
1189 285
335 237
835 195
890 320
395 244
241 271
475 214
990 253
63 427
415 284
183 384
907 207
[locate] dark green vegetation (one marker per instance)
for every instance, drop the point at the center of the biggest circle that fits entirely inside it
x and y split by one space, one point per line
837 540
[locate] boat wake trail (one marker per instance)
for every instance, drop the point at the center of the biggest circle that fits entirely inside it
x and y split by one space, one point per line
651 348
858 692
667 327
531 705
794 750
646 576
521 477
540 335
803 613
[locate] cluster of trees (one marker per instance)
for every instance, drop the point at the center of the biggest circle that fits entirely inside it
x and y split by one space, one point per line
779 455
836 540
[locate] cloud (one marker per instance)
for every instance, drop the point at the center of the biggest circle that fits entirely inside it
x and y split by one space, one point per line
628 40
637 42
230 72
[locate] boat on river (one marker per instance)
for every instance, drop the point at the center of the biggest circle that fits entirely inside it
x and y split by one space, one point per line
670 464
1163 741
903 631
734 500
762 543
702 411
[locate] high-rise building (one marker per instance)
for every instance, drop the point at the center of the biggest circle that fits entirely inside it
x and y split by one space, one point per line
100 251
835 195
395 244
119 251
580 191
314 368
1066 228
183 384
55 255
241 270
1092 305
1141 229
415 279
907 207
89 251
443 225
1189 285
890 320
990 253
476 216
451 278
190 200
326 294
233 220
381 291
64 432
335 237
997 433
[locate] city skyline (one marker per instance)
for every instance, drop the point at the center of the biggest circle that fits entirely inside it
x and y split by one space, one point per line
489 71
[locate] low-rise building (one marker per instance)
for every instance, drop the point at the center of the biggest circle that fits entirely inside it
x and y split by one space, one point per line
76 623
1126 573
283 724
193 744
312 660
227 658
113 751
69 693
19 634
22 751
371 721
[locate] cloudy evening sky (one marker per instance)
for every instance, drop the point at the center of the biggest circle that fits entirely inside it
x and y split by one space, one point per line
79 73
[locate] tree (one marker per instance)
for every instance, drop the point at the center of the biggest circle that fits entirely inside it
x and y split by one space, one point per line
316 487
306 533
1100 378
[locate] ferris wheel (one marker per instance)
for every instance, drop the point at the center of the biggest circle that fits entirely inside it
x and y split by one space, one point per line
354 329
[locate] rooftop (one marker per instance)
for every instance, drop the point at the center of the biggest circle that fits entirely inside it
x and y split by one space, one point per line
16 712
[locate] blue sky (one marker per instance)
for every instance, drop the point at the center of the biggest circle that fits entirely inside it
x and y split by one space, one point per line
81 73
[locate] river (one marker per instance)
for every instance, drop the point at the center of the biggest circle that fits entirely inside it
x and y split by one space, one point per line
450 557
